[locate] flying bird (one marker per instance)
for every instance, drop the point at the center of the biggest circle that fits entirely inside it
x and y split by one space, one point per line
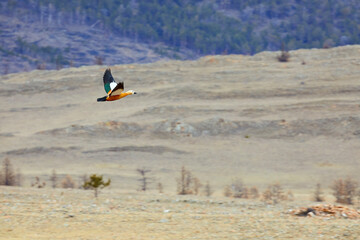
114 90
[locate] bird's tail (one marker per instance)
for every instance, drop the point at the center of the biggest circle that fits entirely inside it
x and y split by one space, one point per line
102 99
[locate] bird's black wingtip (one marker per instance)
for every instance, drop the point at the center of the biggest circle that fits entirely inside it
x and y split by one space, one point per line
103 99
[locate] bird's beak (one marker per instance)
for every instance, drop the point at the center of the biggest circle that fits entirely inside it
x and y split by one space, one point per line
134 92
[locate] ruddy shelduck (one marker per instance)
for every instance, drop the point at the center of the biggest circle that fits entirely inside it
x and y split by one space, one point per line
114 90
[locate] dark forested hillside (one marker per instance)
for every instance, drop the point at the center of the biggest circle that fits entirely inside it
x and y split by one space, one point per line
187 28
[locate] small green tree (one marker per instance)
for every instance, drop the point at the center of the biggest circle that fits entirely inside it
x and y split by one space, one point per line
95 182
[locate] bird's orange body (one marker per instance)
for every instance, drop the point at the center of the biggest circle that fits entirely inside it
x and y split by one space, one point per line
117 97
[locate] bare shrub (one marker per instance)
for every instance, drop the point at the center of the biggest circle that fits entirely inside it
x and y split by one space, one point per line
285 55
274 194
267 195
246 193
183 183
160 187
18 178
227 191
8 177
238 189
38 183
67 182
289 196
318 194
208 190
196 185
144 180
187 183
254 193
53 179
345 190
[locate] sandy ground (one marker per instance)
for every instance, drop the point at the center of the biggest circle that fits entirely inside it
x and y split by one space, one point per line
75 214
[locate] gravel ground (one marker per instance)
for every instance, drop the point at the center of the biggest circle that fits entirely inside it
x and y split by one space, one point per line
27 213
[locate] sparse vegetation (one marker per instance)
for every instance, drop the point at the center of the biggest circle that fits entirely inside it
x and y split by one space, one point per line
53 179
318 194
345 190
7 175
83 179
208 189
160 187
19 178
144 180
183 183
196 185
285 55
187 183
227 191
274 194
238 189
67 182
254 193
38 183
96 182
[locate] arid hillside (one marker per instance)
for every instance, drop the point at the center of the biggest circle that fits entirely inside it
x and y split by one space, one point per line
223 117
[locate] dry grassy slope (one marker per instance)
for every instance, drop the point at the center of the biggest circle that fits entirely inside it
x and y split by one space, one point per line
221 116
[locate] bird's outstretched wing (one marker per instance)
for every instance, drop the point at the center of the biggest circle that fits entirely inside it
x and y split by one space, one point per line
118 89
109 82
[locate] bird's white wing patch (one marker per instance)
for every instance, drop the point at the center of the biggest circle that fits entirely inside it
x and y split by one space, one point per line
112 85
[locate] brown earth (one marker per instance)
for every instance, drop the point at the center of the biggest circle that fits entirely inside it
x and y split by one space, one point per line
223 117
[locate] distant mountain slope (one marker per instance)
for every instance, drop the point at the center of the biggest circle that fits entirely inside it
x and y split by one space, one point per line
64 33
33 45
